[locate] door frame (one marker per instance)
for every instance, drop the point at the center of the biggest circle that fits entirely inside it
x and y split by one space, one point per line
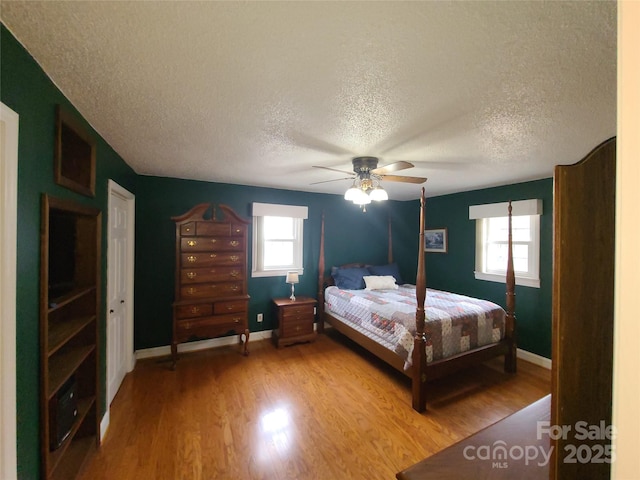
9 120
116 190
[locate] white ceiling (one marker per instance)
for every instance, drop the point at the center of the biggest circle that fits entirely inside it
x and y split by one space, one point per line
475 94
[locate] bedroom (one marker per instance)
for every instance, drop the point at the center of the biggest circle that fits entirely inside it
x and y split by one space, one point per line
36 111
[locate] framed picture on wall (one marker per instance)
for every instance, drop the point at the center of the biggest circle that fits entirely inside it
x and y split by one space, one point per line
435 240
75 155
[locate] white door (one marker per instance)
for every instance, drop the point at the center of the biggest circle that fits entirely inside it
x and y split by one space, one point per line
119 288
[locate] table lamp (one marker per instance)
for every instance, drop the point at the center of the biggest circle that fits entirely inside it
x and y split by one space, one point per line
292 278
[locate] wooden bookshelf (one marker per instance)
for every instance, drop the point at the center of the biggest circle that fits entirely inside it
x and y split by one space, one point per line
69 359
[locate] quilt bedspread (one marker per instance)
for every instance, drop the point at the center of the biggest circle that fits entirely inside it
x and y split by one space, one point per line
454 323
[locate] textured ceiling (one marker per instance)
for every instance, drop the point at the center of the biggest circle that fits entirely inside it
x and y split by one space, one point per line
475 94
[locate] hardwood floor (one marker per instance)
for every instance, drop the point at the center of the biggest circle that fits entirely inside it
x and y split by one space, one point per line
326 410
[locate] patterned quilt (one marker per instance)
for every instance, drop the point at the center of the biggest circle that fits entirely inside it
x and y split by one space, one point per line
454 323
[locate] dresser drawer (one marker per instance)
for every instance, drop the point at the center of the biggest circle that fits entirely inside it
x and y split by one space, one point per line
211 290
188 229
210 274
298 311
220 229
296 327
212 244
231 306
210 326
195 310
205 259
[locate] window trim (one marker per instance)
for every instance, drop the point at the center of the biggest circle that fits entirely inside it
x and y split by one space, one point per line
531 208
299 214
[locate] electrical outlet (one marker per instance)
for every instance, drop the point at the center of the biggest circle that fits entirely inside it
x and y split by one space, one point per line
259 317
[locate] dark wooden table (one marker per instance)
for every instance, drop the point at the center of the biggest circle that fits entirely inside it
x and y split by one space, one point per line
480 456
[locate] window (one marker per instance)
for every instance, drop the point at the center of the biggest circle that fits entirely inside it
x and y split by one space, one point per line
277 239
492 230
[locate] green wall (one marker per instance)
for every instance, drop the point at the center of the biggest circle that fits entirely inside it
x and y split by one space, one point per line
350 235
27 90
453 271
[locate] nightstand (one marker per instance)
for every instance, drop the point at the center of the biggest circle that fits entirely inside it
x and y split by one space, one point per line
295 320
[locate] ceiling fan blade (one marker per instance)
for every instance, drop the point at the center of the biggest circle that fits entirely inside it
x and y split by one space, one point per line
333 170
399 178
392 167
334 180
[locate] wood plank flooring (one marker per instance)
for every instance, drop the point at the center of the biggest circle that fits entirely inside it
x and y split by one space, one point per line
326 410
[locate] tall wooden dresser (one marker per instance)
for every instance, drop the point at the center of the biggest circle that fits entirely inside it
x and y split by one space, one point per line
211 297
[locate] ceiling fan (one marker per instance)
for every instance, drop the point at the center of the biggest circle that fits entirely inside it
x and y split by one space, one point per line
366 178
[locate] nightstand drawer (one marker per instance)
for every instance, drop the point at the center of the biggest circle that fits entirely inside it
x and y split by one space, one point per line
299 311
294 328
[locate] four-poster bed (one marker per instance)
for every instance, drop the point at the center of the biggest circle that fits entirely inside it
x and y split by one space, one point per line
417 365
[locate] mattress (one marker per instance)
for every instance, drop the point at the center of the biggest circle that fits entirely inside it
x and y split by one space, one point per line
454 323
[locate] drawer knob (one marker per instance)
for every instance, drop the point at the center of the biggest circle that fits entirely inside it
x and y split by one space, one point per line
191 243
214 240
229 307
238 230
234 243
191 291
234 258
236 320
235 288
192 275
191 258
214 285
234 273
195 310
213 255
187 229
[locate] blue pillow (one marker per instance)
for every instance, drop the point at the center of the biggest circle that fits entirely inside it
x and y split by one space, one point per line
391 269
350 278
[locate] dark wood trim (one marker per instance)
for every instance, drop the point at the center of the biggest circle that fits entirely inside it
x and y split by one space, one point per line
81 167
583 304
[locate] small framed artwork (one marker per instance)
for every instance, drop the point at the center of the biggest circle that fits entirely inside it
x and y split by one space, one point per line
75 155
435 240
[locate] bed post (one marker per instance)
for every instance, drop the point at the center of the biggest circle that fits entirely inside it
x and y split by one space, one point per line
320 296
419 376
390 252
510 362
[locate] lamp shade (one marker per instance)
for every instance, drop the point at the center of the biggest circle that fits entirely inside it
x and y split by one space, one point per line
378 194
292 277
361 198
351 193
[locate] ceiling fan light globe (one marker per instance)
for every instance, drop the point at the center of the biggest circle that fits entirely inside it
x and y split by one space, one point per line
352 193
379 194
362 198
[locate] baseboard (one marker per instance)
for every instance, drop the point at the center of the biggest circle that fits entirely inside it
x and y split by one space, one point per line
104 424
534 358
199 345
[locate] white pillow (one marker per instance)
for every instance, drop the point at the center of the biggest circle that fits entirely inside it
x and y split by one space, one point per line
384 282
